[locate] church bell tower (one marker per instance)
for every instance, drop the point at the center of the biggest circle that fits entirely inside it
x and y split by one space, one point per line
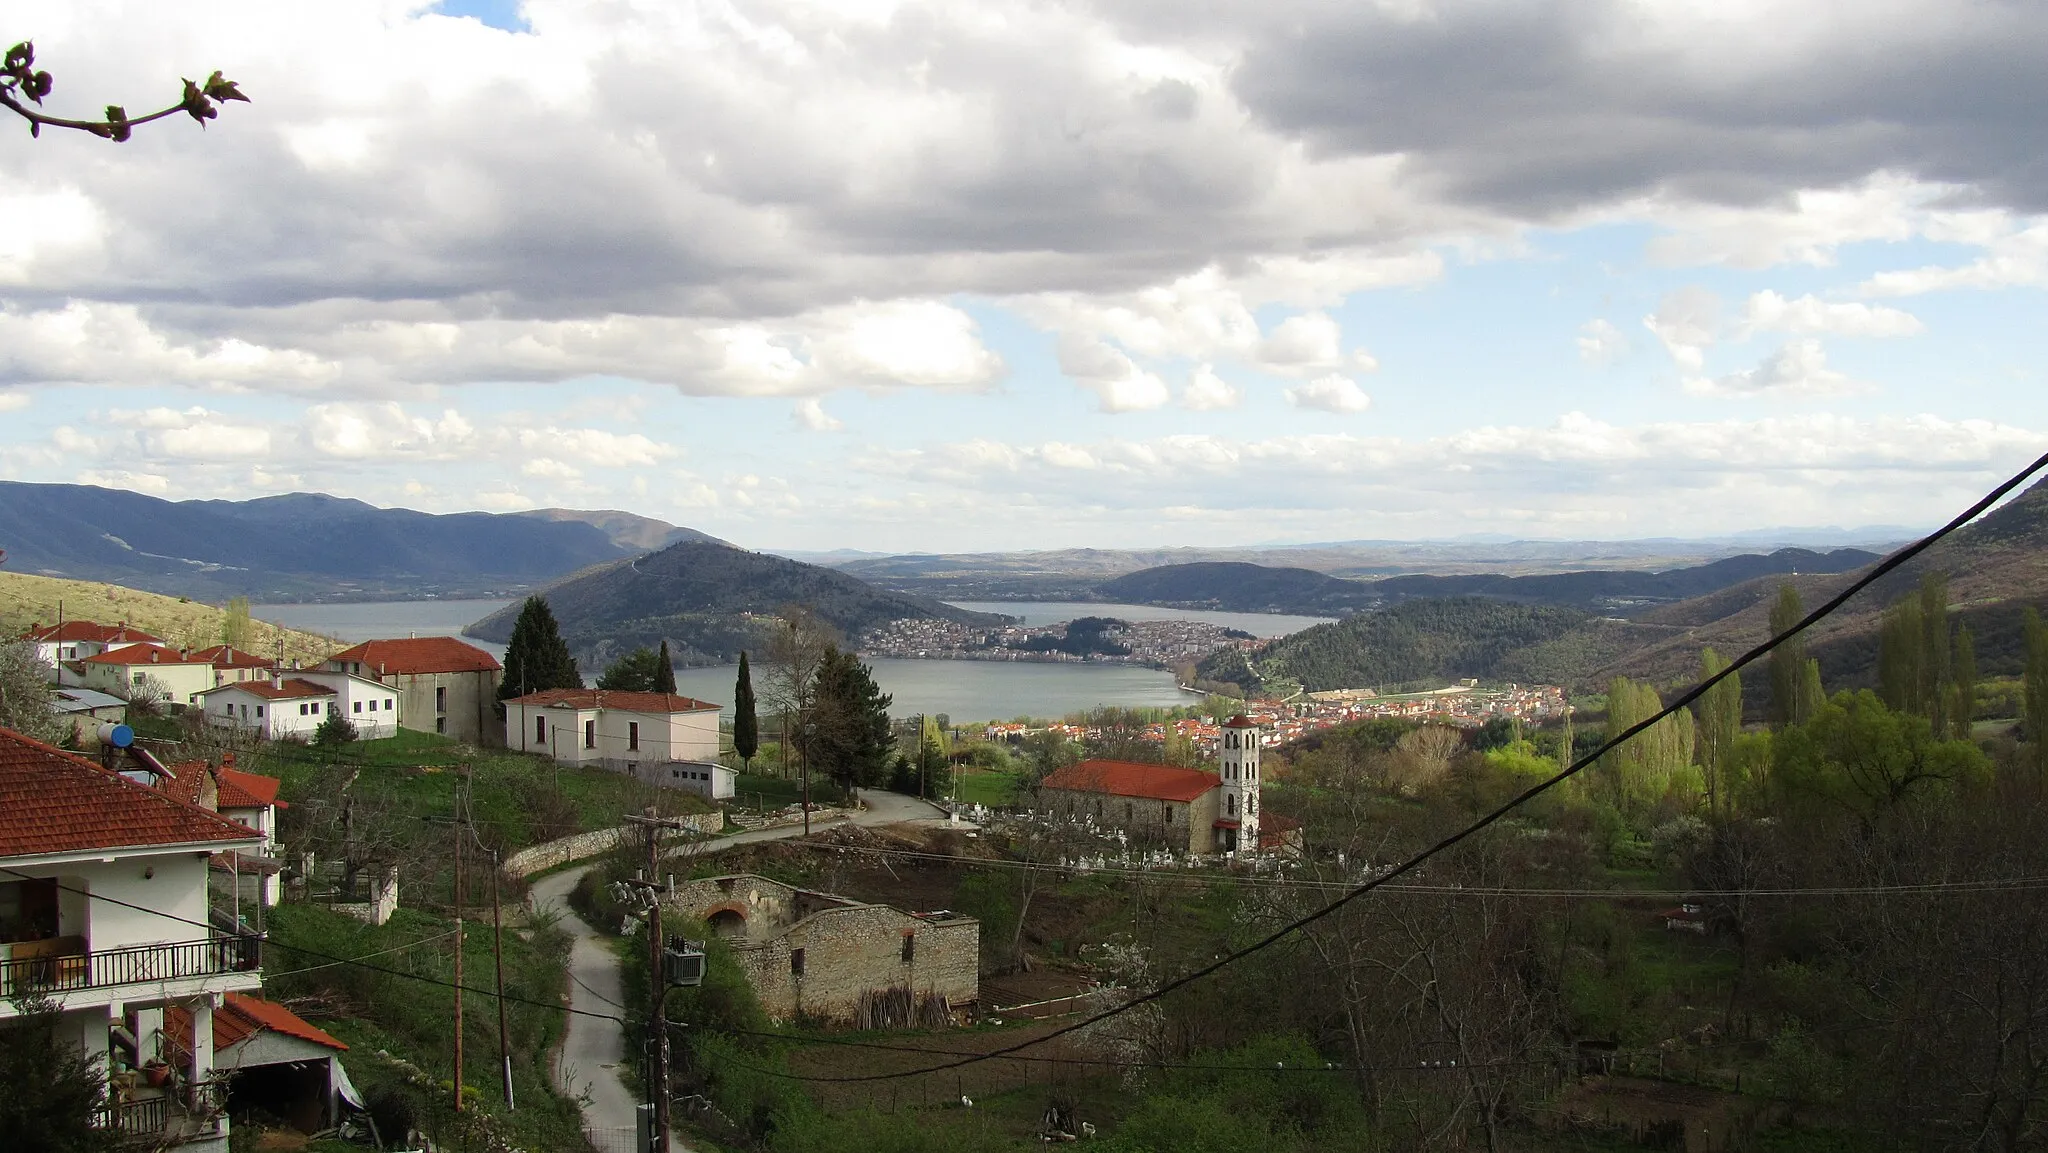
1238 765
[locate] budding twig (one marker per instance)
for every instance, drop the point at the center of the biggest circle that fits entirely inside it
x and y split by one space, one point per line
19 81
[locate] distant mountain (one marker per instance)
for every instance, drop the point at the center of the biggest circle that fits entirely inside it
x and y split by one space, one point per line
1236 586
710 601
296 546
1242 587
627 530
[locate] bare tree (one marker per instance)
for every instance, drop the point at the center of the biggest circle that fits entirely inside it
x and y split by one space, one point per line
796 651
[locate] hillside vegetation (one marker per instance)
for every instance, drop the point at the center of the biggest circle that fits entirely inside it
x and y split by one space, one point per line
27 600
1442 639
710 601
1237 586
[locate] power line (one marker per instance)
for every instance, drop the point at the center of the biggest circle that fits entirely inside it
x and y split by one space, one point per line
1880 570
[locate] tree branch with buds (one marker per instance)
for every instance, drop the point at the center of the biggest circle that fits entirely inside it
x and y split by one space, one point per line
22 89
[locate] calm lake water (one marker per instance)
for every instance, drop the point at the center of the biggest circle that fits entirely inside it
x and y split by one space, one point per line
964 690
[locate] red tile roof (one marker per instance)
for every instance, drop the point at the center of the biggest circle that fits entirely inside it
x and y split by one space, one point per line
294 688
416 655
240 790
52 801
613 699
225 657
89 632
241 1017
1240 721
1129 779
146 654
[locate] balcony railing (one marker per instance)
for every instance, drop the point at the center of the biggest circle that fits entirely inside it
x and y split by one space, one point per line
75 967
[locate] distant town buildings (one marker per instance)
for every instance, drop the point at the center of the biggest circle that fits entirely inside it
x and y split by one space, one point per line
1157 644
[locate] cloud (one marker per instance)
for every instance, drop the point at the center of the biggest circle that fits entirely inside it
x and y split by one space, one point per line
1687 321
12 401
383 431
811 416
1338 394
1116 380
1809 315
1601 343
1207 392
1800 368
2016 257
1302 344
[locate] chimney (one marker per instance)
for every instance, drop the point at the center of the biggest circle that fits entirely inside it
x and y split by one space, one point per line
276 678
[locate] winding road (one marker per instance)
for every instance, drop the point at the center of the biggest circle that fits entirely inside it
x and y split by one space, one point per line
593 1050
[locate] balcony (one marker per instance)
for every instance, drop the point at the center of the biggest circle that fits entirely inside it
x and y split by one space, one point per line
65 964
161 1118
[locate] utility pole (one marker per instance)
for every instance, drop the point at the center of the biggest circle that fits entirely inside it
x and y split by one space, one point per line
498 960
923 789
657 977
809 729
456 824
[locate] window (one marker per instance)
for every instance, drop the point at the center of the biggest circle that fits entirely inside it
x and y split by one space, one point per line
441 698
796 962
1230 803
302 708
440 724
540 730
259 712
138 678
314 708
632 734
356 668
909 946
356 706
590 734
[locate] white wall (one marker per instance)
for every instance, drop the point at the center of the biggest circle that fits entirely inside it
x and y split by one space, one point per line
371 706
691 736
277 719
183 680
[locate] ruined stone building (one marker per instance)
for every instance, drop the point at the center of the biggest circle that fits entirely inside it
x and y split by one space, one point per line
817 955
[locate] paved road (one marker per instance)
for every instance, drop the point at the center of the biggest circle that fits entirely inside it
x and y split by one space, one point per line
593 1049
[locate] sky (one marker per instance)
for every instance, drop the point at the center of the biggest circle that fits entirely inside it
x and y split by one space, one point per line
896 275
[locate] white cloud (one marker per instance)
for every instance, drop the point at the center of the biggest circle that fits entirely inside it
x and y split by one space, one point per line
13 401
2015 257
1800 368
1687 321
592 445
1600 342
85 342
1333 393
1806 227
1302 344
547 468
1116 380
153 483
1809 315
383 431
811 416
1207 392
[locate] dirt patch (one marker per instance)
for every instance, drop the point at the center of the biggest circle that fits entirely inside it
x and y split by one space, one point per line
1664 1114
1028 988
1039 1065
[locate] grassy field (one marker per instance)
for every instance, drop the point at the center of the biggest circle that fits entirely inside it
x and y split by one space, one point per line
993 788
27 600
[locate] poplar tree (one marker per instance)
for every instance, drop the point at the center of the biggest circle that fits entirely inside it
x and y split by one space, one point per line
1789 705
1720 722
665 671
537 657
1962 710
2036 685
746 726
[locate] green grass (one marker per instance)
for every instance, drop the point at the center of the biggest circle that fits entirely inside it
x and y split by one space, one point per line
412 1018
993 788
753 791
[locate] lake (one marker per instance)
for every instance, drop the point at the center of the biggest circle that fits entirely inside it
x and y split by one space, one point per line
964 690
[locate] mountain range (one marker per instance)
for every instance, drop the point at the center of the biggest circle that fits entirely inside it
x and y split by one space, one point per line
302 546
710 601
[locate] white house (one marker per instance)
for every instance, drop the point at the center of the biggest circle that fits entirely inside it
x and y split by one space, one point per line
63 644
104 911
618 730
278 707
707 779
369 704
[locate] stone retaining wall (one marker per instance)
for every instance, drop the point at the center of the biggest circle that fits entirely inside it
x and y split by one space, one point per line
582 846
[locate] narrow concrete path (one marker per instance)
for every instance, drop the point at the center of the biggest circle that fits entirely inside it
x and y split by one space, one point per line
593 1050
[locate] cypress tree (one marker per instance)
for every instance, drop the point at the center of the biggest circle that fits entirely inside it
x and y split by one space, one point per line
1788 661
746 727
2036 684
537 657
1720 722
665 672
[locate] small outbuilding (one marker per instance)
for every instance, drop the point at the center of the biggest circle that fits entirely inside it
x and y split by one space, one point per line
276 1061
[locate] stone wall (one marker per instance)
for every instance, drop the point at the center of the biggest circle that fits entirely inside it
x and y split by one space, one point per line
582 846
848 948
1184 827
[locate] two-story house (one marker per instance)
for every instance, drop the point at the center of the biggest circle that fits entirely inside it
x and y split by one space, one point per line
176 676
104 912
63 645
444 686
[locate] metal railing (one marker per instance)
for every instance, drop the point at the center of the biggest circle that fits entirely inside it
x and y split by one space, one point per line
133 964
144 1117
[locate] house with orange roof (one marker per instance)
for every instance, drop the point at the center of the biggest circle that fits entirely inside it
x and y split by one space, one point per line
619 730
245 798
278 708
444 685
1186 810
63 644
172 676
276 1061
105 912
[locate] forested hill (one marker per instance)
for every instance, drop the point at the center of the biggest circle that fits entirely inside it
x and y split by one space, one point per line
710 601
295 546
1438 640
1237 586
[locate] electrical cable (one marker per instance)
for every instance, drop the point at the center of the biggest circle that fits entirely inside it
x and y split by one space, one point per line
1877 572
